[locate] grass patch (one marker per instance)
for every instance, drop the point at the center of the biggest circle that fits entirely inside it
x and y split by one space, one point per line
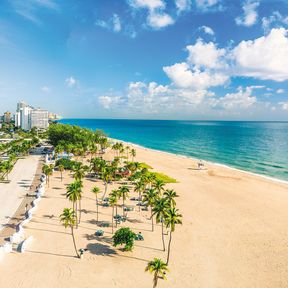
145 165
164 178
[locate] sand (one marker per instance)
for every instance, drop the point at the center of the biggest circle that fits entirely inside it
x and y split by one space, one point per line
234 234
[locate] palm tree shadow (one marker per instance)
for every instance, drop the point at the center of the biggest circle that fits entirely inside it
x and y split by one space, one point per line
52 254
101 249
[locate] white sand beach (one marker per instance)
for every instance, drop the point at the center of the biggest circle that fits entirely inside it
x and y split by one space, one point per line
234 234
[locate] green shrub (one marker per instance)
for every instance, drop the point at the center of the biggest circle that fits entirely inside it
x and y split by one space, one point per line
124 236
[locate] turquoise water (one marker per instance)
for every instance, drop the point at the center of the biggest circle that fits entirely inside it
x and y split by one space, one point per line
259 147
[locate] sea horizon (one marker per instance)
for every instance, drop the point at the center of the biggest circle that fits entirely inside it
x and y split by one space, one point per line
231 143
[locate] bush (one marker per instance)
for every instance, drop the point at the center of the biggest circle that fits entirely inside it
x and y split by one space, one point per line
67 163
124 236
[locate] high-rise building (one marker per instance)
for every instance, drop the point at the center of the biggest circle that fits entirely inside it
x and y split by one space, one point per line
18 119
7 117
21 105
39 118
25 120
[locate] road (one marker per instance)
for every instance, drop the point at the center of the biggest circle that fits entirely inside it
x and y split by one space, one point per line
11 195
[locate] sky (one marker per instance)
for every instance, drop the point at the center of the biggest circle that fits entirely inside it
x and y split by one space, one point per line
146 59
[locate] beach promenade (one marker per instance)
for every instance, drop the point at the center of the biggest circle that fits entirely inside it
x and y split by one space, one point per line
234 234
12 194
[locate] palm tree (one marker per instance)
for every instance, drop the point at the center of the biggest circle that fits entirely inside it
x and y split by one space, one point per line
123 193
160 209
170 196
149 198
127 148
115 193
68 219
133 154
79 184
96 191
61 168
158 268
139 187
172 218
48 171
113 203
159 185
106 177
79 172
72 193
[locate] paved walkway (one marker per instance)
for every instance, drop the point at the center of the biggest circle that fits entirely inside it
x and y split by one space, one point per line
12 194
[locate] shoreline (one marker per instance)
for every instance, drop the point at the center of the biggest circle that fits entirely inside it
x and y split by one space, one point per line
270 178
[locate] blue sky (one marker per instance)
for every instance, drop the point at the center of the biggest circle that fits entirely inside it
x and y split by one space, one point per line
148 59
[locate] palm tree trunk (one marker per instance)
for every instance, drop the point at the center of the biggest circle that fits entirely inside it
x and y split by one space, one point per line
155 280
72 232
97 207
139 200
116 215
152 220
106 184
76 214
123 207
112 220
79 211
61 176
163 242
168 255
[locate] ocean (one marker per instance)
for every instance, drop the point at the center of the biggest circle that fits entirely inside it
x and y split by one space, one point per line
258 147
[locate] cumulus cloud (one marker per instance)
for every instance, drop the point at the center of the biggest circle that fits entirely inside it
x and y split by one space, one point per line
149 4
159 20
265 58
280 91
183 5
250 15
204 5
242 99
108 101
207 30
284 105
183 76
275 20
206 55
70 82
157 17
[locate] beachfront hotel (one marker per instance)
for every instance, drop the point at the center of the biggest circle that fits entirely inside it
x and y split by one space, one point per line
27 117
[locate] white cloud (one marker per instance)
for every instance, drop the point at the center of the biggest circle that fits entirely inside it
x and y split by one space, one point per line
206 55
276 19
70 82
250 14
208 30
184 77
45 89
113 24
149 4
204 5
284 105
159 20
280 91
116 23
108 101
264 58
183 5
239 100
